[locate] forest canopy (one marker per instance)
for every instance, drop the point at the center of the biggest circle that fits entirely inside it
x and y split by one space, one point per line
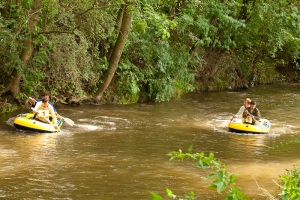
128 51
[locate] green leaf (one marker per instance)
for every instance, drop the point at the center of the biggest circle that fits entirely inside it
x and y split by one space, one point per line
209 176
232 178
155 196
170 193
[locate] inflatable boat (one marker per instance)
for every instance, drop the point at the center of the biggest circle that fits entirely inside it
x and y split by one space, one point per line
261 126
27 122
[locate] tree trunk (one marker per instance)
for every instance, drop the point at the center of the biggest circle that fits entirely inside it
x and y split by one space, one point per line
117 51
14 84
118 27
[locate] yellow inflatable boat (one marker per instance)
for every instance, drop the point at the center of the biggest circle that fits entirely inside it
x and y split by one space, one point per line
260 127
27 122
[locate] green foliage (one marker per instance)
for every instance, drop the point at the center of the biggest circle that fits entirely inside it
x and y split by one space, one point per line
22 96
32 81
77 60
148 17
8 108
155 196
71 70
165 54
15 30
139 26
222 180
235 193
61 63
272 30
228 26
9 47
210 23
171 195
265 72
34 73
290 184
164 70
127 88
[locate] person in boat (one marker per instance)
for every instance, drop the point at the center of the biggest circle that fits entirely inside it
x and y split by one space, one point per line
239 114
251 114
42 109
33 102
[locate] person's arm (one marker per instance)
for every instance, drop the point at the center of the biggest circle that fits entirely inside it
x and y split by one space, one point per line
36 107
245 113
257 115
32 102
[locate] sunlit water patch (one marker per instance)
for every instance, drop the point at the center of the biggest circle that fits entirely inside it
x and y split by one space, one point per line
88 127
101 123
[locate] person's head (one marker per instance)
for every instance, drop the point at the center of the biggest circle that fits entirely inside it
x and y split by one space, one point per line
252 105
45 94
45 97
247 102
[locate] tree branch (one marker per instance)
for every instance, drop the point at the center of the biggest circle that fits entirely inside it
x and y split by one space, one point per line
103 5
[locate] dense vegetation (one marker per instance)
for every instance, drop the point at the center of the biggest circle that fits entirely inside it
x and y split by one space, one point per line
127 51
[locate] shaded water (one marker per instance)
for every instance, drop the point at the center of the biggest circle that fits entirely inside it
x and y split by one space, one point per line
120 152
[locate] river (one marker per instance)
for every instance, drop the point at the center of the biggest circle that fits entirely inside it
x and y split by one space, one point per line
120 151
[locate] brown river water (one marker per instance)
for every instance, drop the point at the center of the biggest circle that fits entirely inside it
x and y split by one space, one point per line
120 151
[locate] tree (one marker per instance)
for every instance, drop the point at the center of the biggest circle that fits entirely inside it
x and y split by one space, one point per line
125 19
32 18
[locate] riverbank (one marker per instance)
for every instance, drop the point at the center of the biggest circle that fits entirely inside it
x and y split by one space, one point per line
9 104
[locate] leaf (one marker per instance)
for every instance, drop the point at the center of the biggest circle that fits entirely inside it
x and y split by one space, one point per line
232 178
219 185
155 196
209 176
170 193
220 175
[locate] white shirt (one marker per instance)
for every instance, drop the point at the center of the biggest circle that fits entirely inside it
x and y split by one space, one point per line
239 114
39 106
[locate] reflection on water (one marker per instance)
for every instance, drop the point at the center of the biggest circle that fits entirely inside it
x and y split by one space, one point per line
120 152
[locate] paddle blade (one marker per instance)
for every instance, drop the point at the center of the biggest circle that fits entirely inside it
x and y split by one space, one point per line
260 125
68 121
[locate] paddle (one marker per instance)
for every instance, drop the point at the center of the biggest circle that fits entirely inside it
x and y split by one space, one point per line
68 121
260 125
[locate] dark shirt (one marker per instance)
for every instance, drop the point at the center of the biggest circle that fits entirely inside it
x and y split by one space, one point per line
254 112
